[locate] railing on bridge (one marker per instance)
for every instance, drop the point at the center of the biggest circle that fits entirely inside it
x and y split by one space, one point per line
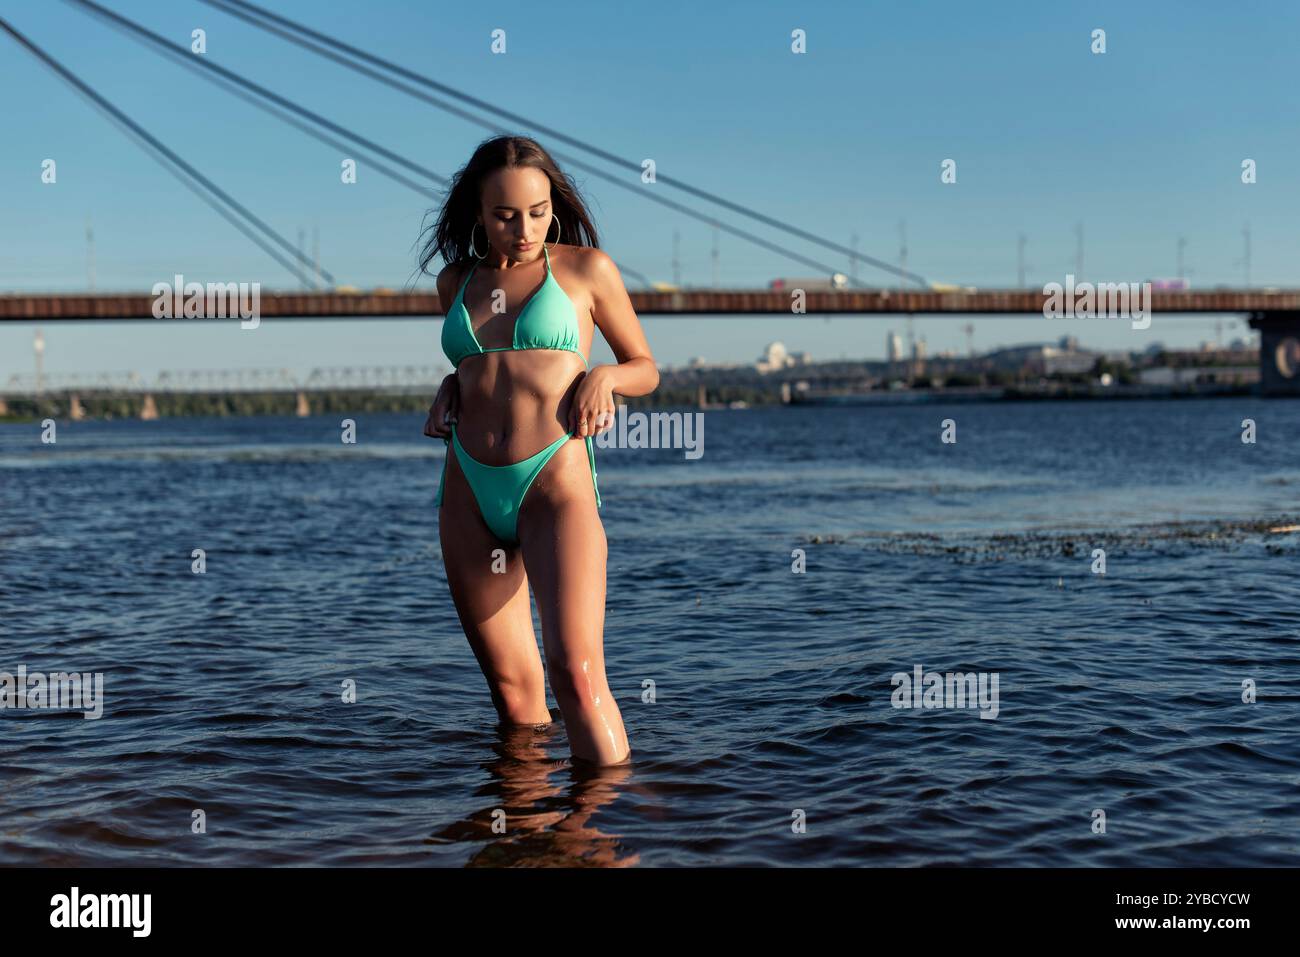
30 384
367 378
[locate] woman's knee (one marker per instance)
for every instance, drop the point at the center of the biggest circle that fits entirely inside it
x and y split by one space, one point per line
578 685
519 698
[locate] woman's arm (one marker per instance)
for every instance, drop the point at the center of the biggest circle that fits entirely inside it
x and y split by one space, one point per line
445 409
446 406
635 376
635 372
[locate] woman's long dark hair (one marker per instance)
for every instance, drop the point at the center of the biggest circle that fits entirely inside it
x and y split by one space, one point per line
450 237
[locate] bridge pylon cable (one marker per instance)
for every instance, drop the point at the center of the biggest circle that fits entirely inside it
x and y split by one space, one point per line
215 70
174 163
262 18
212 71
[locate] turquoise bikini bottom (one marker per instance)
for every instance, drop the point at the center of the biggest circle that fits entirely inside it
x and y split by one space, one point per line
500 489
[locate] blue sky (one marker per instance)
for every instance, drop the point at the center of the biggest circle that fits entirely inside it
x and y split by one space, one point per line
1142 144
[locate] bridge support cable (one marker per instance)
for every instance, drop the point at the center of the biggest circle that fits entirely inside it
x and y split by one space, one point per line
267 20
205 64
182 53
190 177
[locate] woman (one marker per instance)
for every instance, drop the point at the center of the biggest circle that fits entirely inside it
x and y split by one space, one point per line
518 497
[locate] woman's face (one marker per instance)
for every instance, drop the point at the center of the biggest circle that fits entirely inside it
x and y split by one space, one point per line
516 211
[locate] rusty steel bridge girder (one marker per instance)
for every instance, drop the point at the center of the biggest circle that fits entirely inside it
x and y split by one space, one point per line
740 302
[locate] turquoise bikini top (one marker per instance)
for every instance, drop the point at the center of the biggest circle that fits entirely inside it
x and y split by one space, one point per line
547 321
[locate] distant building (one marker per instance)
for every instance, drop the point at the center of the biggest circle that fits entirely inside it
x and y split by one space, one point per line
894 347
1202 358
1067 361
918 357
775 357
1044 359
1193 375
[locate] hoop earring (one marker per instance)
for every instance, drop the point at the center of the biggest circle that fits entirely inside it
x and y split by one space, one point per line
472 248
558 233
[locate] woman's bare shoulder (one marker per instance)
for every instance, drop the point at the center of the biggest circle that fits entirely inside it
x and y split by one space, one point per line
452 273
591 265
448 282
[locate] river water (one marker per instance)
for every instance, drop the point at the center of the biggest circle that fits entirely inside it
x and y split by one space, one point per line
768 591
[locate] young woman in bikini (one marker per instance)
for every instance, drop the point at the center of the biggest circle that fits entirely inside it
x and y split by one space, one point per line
518 496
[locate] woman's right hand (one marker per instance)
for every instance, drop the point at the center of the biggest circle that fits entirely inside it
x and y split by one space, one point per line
445 409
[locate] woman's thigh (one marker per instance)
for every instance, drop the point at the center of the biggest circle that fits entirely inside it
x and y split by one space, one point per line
489 586
565 551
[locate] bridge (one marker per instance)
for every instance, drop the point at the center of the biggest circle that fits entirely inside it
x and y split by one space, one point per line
399 380
344 378
1275 312
388 304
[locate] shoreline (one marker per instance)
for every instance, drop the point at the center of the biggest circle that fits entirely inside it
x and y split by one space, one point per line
258 404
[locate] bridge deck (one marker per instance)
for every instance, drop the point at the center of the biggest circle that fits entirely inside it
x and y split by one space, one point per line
322 305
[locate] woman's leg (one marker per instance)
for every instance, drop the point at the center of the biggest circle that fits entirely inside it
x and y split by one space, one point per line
491 598
565 551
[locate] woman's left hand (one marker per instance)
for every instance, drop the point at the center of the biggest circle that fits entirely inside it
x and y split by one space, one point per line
592 411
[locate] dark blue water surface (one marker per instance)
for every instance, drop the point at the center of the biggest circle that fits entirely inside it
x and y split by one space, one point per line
1119 693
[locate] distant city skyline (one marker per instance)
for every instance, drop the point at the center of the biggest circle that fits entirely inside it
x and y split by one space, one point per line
71 347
